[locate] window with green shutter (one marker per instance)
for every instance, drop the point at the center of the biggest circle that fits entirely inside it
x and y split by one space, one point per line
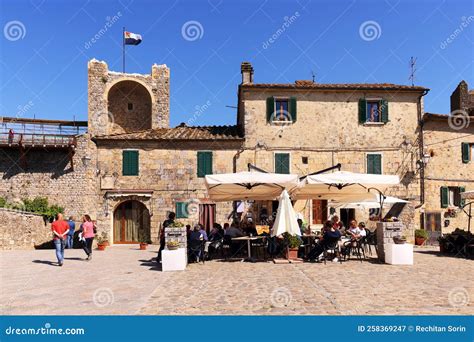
204 163
181 210
444 194
282 163
373 111
466 152
374 164
281 110
130 163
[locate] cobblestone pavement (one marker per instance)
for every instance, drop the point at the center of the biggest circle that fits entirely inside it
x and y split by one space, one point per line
122 280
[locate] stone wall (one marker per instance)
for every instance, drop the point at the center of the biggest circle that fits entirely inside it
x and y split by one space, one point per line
445 167
102 112
49 174
22 231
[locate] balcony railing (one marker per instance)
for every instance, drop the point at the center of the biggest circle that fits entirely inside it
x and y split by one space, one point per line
36 140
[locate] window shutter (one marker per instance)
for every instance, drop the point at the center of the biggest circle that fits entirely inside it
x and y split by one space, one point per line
181 211
374 164
282 163
293 108
384 110
465 152
204 163
270 108
130 163
362 111
462 201
444 197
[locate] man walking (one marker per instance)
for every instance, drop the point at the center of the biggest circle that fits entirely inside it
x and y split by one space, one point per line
70 234
60 229
166 223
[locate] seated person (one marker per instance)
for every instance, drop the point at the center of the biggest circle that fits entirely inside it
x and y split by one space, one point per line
215 233
353 230
196 234
363 231
331 235
233 231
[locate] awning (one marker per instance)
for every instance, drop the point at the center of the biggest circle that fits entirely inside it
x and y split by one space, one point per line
343 186
468 194
367 204
248 185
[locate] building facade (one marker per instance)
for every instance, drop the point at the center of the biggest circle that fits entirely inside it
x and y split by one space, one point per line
132 169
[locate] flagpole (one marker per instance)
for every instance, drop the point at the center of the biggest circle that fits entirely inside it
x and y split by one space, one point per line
123 50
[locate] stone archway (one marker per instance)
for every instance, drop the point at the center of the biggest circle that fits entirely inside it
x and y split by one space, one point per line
129 106
131 222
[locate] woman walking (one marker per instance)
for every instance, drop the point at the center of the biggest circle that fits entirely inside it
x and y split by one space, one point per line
88 235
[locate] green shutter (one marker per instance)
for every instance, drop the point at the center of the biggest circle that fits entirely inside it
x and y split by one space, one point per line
270 108
362 111
204 163
130 163
282 163
465 152
462 200
444 197
374 164
181 211
384 110
293 108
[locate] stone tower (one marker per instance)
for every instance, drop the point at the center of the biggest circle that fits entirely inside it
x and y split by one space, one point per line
123 103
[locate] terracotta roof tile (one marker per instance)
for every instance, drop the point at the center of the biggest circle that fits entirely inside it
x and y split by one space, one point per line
180 133
303 84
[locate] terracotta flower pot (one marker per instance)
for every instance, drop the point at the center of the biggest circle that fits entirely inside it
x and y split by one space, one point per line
101 246
292 253
143 246
419 241
106 243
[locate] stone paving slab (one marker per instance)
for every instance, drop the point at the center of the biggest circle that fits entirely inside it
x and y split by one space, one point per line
123 280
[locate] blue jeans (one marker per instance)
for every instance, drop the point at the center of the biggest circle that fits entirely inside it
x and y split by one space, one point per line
70 241
59 245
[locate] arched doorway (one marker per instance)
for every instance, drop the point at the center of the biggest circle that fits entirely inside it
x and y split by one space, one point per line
129 106
131 222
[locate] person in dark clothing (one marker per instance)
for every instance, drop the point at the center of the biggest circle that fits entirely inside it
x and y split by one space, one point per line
331 235
166 223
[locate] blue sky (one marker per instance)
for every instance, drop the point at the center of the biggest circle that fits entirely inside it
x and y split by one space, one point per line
44 49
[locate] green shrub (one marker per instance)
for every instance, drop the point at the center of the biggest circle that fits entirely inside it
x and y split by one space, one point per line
292 240
421 233
3 202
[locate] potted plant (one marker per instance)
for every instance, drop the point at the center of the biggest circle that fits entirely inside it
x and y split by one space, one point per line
293 243
420 236
143 242
102 241
172 245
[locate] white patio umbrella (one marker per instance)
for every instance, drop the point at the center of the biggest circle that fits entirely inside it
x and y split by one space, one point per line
248 185
468 194
343 186
285 220
368 203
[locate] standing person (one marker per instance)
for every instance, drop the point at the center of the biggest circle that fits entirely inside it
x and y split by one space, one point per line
70 234
11 136
60 229
88 234
166 223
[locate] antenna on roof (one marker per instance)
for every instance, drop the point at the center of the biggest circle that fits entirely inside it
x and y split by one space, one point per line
412 70
313 75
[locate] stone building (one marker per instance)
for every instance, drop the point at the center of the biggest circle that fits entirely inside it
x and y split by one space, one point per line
131 168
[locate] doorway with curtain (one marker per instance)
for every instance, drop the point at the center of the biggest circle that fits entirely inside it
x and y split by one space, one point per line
207 216
131 222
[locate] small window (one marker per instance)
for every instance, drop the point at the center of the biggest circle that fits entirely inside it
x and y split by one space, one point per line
282 163
467 152
451 196
130 163
181 210
281 110
204 163
373 111
304 160
130 106
374 163
281 113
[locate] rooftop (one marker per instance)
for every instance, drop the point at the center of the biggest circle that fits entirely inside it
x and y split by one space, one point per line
304 84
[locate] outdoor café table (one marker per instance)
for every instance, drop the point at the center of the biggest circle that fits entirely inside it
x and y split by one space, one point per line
248 239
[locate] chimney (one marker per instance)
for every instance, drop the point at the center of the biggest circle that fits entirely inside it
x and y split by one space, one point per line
247 72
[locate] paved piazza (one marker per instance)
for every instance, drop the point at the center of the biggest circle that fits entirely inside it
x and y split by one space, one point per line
123 280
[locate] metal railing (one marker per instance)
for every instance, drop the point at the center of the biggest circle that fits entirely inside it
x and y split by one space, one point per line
47 140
